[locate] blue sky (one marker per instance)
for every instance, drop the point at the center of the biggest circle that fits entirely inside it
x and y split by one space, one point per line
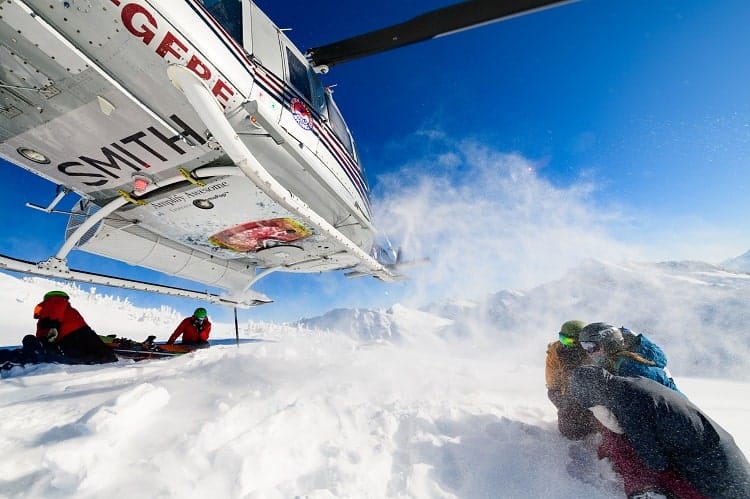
633 119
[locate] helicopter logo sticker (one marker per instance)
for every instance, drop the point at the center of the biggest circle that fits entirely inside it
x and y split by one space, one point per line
301 114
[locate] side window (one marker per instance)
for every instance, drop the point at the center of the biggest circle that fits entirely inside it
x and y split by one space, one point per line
298 75
338 124
318 93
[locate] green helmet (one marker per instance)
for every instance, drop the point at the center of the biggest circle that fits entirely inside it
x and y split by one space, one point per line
572 329
61 294
200 313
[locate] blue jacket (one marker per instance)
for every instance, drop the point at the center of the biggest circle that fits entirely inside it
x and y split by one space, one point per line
624 366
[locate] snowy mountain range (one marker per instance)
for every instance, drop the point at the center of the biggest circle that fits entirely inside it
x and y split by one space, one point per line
738 264
697 310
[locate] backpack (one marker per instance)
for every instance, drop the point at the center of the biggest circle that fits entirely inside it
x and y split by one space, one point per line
637 343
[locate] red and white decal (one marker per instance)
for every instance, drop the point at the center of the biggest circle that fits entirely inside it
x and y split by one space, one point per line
301 114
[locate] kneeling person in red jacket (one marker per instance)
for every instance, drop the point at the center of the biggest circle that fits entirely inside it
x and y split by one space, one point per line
61 329
194 329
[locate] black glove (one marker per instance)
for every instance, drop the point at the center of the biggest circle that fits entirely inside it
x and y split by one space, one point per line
557 398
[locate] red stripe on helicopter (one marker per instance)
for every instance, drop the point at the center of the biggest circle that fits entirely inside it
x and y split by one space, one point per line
272 85
362 189
351 168
334 147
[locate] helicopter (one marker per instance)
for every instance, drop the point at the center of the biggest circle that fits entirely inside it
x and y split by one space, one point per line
200 140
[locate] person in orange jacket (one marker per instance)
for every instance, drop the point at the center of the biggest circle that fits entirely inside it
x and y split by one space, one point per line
194 329
62 334
563 357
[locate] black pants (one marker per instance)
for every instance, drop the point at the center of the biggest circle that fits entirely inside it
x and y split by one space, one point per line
79 347
83 346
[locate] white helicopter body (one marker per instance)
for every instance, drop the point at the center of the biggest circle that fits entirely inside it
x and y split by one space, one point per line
88 87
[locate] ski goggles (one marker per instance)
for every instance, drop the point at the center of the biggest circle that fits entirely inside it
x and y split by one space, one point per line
567 340
589 346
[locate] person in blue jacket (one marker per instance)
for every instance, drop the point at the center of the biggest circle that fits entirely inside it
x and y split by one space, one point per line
624 353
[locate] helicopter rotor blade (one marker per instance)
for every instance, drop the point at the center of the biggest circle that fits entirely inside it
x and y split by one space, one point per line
439 22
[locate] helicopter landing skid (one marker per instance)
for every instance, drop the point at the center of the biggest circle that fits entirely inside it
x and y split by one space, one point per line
58 268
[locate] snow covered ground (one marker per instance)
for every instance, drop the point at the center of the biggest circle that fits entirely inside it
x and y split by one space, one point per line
367 404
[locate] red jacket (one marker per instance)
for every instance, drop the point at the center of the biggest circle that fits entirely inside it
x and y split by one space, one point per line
191 333
56 312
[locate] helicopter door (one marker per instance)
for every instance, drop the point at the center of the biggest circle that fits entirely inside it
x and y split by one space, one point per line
261 40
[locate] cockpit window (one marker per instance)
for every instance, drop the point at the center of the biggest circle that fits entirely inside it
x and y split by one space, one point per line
298 75
304 79
228 13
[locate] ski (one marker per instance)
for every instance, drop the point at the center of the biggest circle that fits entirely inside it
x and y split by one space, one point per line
143 350
145 354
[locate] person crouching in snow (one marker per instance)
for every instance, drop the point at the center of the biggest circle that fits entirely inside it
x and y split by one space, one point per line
62 334
194 329
573 421
666 446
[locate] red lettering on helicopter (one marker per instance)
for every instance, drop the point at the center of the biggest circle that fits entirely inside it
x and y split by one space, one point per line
196 66
167 46
143 24
129 13
222 91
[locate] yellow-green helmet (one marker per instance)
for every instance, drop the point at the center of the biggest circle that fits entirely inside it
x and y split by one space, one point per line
572 329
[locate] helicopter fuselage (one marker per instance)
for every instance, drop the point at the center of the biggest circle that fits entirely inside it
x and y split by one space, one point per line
232 156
